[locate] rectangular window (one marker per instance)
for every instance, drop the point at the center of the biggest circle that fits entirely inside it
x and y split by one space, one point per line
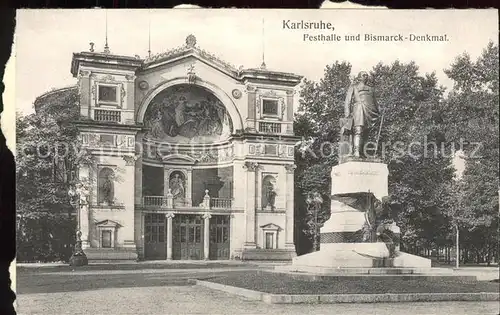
107 94
269 240
106 239
270 107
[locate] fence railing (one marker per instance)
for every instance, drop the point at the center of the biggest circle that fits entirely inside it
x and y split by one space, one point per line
269 127
169 202
221 203
107 115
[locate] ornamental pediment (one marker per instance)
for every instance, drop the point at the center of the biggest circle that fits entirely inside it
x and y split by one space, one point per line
271 226
190 49
108 223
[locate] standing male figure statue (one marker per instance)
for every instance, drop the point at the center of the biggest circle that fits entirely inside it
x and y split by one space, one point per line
361 115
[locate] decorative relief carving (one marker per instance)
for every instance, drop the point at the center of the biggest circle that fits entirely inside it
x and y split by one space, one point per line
207 216
270 93
191 74
250 88
202 156
129 160
290 92
130 77
251 166
281 104
93 92
281 150
258 101
251 149
84 73
236 93
259 149
108 78
190 41
143 85
290 168
291 151
130 141
123 93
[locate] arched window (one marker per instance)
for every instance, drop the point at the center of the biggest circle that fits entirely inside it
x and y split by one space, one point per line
268 192
106 184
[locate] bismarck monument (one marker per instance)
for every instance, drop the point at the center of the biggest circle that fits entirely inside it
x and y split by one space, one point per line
353 237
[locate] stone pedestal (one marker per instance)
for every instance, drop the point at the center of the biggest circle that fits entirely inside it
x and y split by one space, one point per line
354 185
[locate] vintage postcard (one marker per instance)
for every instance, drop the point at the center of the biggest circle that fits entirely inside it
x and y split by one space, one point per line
222 161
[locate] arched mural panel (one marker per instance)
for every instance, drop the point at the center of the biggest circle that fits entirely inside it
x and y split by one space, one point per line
187 114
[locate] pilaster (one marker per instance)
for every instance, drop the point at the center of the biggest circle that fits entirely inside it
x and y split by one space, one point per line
169 217
206 236
84 91
289 208
251 123
251 170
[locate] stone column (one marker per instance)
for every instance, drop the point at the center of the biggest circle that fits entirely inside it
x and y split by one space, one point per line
85 224
206 235
289 208
83 207
251 170
169 217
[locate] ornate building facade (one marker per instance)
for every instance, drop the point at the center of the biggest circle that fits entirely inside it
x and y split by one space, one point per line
193 158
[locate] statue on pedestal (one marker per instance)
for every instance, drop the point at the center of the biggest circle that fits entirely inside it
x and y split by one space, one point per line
359 117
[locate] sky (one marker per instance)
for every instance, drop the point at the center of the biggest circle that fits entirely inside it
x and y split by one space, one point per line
46 39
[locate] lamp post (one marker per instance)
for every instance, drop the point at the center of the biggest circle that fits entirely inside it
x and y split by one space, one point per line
78 258
315 200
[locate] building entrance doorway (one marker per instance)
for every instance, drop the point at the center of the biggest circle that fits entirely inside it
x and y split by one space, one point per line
155 236
187 235
219 237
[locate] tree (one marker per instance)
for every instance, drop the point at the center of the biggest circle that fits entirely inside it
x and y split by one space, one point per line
470 118
46 166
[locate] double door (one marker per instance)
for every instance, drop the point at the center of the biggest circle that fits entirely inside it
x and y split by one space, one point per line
155 236
187 236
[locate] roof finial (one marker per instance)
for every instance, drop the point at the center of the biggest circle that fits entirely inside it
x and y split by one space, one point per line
263 65
106 47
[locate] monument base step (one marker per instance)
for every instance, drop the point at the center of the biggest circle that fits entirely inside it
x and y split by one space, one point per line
117 255
267 254
363 271
359 255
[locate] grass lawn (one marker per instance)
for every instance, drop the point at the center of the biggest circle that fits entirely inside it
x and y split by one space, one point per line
276 283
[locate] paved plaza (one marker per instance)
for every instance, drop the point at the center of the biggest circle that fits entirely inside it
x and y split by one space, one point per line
165 291
197 300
